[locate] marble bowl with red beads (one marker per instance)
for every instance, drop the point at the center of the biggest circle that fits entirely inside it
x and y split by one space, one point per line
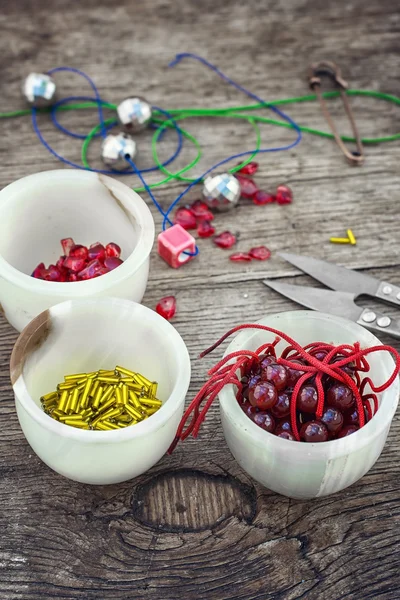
309 470
39 210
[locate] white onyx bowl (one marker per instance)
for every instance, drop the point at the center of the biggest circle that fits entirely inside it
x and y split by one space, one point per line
36 212
298 469
83 336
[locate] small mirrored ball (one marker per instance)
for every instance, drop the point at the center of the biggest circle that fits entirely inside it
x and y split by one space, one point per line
221 192
134 114
114 149
39 90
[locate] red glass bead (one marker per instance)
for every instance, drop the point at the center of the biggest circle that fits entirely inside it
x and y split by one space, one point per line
263 395
282 406
347 430
113 250
265 360
92 269
96 251
67 244
226 239
247 186
260 253
185 218
63 274
286 435
314 431
201 210
51 274
74 264
38 271
340 396
307 399
249 169
240 257
60 262
72 277
112 262
294 374
332 419
264 420
248 409
79 251
260 198
167 307
284 194
276 374
205 229
284 425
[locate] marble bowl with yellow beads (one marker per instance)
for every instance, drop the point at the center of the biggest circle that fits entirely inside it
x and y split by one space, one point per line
83 336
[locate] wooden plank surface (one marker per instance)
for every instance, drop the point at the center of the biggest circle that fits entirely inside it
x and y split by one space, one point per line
196 526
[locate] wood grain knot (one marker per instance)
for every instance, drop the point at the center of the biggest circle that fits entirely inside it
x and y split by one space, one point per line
191 500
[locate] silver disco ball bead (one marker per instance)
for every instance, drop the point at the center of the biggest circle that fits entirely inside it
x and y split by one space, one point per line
39 90
221 192
114 149
134 114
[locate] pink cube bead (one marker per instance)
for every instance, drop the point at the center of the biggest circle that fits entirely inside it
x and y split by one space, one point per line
173 242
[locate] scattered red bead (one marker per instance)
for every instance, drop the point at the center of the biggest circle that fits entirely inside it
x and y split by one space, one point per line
284 194
166 307
260 253
205 229
185 218
79 262
226 239
249 169
201 210
240 257
260 198
248 187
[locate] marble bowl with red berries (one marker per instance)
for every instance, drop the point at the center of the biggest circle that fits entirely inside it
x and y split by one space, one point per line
340 452
40 210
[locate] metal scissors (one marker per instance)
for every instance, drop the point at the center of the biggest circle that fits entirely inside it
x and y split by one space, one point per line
348 285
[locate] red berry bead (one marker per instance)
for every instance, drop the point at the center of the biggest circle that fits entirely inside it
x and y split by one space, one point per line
340 396
74 264
249 169
352 417
260 253
201 210
247 186
347 430
284 425
226 239
248 409
265 360
79 251
314 431
240 257
167 307
294 374
276 374
113 250
205 229
264 420
112 262
96 251
38 271
307 399
67 244
282 406
260 198
185 218
284 194
263 395
332 419
286 435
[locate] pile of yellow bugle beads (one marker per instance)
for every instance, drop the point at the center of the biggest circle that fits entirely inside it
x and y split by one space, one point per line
102 400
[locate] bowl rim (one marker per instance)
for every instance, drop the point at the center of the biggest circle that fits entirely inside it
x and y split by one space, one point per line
169 407
139 210
335 448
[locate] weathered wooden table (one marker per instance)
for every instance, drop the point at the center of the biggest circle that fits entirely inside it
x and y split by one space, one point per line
197 527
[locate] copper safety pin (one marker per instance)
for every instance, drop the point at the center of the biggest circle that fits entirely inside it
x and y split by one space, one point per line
332 70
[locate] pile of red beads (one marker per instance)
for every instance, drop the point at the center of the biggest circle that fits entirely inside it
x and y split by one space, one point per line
314 393
249 189
196 216
78 263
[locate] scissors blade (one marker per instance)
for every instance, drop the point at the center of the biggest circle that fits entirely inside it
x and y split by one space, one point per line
335 303
336 277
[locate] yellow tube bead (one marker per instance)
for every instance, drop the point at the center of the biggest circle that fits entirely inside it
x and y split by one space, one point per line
110 403
118 396
111 414
64 418
74 401
79 424
134 400
125 395
124 371
62 404
133 412
351 237
56 413
136 387
49 396
110 425
108 379
151 402
69 385
94 388
100 426
153 389
146 382
83 401
97 398
105 373
107 394
75 377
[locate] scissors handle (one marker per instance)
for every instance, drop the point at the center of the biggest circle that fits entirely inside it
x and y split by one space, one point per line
389 293
379 323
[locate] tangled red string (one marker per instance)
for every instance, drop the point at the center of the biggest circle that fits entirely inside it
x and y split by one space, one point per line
226 372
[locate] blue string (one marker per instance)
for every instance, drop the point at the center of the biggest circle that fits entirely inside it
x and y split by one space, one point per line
177 59
55 107
148 190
